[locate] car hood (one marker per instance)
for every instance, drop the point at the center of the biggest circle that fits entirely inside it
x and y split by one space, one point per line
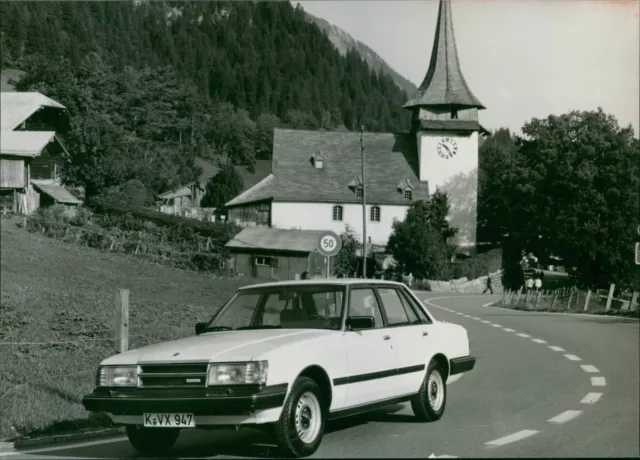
217 346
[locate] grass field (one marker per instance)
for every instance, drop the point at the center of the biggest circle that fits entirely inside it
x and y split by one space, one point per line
64 295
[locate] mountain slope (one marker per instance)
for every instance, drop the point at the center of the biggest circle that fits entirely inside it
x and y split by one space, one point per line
345 42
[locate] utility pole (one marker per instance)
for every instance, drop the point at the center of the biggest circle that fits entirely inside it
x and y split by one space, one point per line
364 207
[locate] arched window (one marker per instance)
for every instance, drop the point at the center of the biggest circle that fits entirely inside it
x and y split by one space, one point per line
337 213
374 214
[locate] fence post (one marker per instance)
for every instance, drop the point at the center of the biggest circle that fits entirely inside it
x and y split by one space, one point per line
518 296
505 296
610 296
570 298
555 298
538 295
586 300
122 320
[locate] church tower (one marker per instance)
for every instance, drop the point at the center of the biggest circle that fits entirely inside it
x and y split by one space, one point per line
445 122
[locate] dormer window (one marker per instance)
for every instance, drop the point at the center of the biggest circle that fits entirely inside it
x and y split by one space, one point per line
359 192
406 188
317 160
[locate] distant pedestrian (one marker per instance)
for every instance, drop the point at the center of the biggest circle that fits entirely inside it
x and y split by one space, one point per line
489 286
538 284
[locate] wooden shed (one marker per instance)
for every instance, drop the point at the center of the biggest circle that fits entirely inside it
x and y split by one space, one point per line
272 253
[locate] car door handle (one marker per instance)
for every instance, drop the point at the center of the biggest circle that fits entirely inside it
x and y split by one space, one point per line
424 333
386 337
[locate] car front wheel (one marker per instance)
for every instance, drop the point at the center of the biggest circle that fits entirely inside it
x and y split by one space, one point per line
152 441
428 405
301 426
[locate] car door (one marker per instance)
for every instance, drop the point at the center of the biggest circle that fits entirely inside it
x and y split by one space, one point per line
371 356
408 339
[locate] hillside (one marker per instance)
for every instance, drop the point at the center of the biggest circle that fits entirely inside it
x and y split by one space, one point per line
165 83
63 294
345 42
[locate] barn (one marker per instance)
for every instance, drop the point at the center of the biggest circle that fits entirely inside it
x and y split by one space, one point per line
278 254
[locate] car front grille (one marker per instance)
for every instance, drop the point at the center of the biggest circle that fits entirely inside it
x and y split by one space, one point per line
183 375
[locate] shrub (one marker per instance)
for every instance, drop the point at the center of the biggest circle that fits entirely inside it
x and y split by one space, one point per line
422 285
479 265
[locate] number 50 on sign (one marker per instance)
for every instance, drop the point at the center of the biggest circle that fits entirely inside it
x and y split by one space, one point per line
329 244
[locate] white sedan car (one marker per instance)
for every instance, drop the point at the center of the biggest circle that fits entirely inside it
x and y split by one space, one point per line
290 356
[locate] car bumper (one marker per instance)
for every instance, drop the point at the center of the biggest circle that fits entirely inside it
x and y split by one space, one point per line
205 401
460 365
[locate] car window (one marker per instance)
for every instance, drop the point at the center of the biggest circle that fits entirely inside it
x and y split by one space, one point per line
272 309
416 308
363 302
328 304
289 307
411 314
396 314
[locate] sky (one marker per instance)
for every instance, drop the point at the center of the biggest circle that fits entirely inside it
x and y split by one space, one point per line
523 59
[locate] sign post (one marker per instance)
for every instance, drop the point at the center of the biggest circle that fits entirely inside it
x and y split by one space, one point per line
329 245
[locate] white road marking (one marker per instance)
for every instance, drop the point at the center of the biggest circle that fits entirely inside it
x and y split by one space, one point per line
555 348
538 341
496 325
572 358
485 321
506 329
526 336
598 381
65 447
488 304
477 319
518 436
565 417
589 368
591 398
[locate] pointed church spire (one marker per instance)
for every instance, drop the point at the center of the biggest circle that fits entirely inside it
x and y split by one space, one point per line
444 84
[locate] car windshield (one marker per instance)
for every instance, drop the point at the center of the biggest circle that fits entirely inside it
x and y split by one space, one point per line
286 307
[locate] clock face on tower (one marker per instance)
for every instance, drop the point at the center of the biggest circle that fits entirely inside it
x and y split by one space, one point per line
447 148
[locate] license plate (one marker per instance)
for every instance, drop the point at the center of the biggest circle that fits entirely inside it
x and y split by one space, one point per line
170 420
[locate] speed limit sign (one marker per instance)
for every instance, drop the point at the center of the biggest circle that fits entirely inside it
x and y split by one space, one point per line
329 244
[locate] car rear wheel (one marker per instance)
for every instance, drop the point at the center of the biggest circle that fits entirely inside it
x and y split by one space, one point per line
429 404
301 426
152 441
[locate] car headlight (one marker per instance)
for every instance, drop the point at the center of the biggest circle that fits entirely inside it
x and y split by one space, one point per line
118 376
238 373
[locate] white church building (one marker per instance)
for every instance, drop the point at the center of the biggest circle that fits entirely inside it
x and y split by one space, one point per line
316 177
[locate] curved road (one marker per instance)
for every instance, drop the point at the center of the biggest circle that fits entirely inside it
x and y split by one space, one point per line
545 385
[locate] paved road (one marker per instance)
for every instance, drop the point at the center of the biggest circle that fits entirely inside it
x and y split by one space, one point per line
568 388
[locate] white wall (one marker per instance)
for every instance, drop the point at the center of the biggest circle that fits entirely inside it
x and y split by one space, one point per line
319 216
458 176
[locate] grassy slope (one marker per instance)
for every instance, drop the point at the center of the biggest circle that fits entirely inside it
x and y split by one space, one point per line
55 292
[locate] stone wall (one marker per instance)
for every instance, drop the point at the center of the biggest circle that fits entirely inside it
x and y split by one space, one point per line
464 285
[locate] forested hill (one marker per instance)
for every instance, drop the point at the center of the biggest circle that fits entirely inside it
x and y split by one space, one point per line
168 81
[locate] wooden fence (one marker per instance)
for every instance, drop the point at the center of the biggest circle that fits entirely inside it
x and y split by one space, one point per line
571 299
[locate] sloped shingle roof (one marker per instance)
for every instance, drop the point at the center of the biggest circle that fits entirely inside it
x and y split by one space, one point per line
276 239
24 143
57 192
444 83
389 159
15 108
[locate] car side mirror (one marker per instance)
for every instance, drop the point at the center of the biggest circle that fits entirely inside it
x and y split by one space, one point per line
200 327
356 323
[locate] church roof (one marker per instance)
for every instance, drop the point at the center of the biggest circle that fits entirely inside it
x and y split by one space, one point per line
444 83
389 158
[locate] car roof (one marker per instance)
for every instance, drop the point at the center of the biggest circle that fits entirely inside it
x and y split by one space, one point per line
326 281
